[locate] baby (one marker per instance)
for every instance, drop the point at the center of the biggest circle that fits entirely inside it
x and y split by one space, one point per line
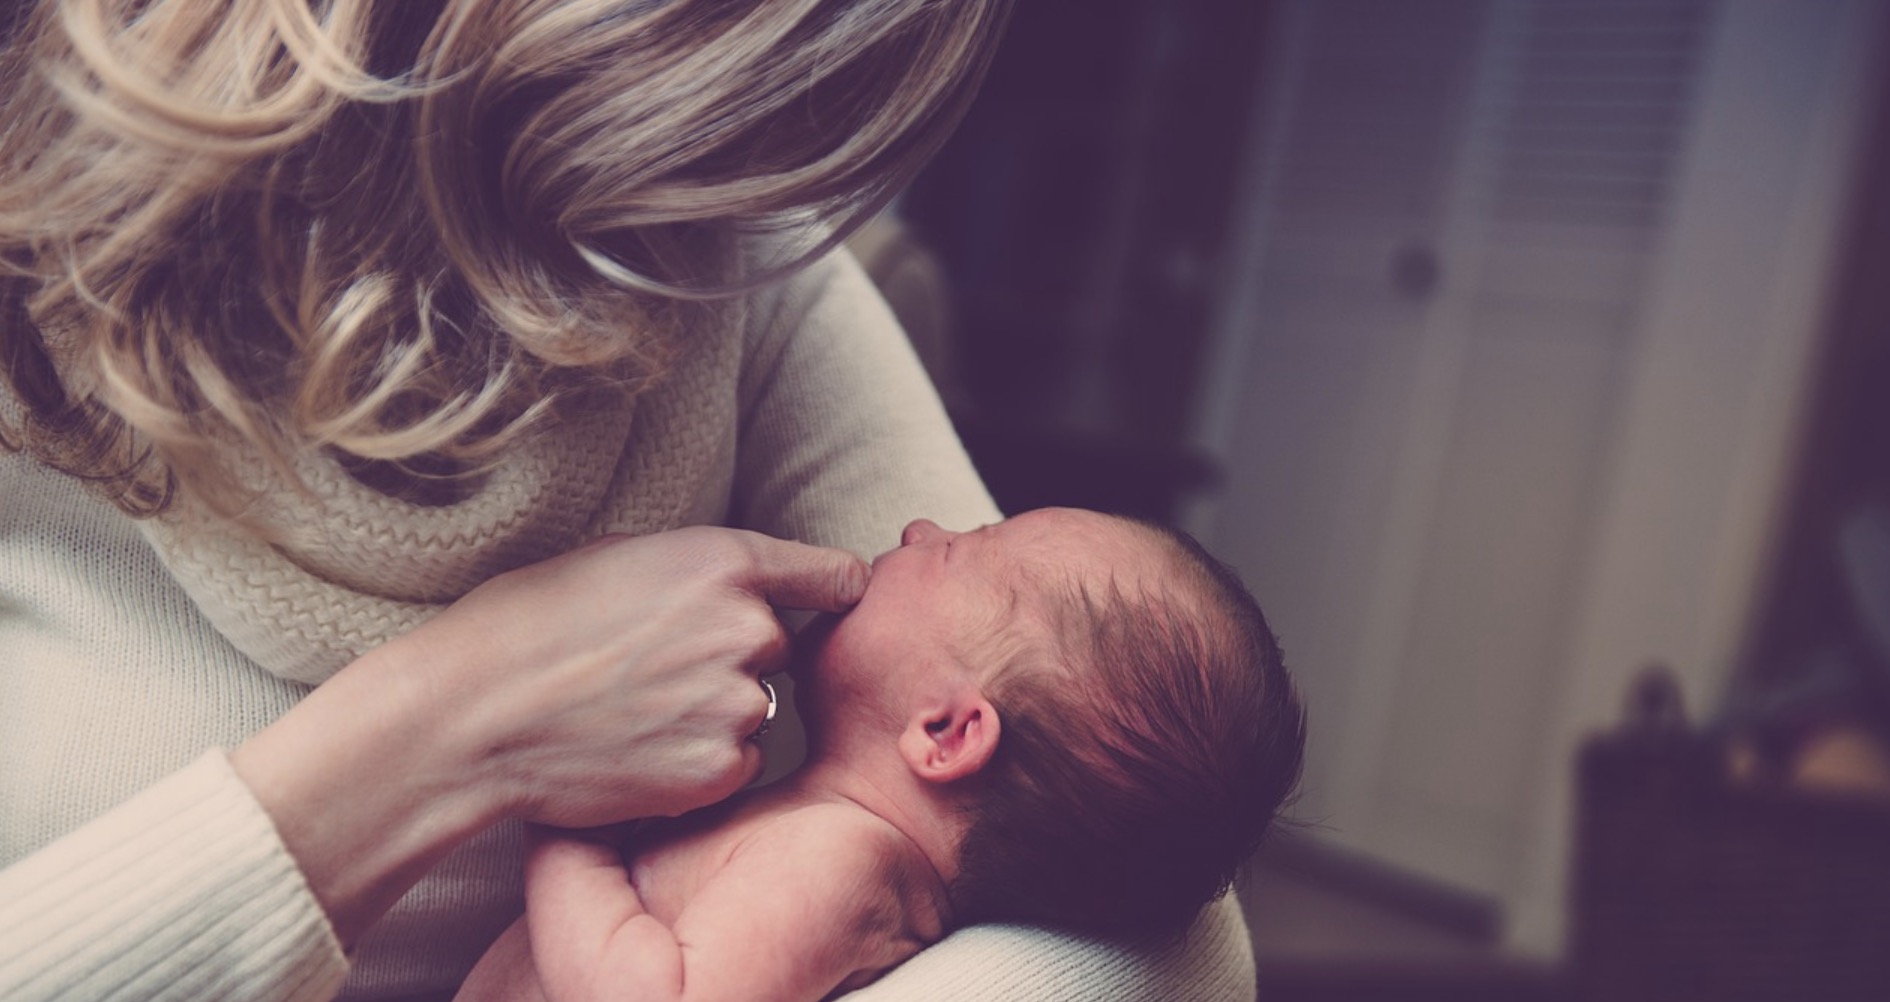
1066 719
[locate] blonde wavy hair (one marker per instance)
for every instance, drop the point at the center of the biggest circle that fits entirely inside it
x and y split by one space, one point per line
402 230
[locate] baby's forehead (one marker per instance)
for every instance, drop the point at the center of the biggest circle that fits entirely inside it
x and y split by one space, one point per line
1089 544
1071 553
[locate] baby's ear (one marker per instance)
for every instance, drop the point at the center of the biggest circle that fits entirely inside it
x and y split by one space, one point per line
952 739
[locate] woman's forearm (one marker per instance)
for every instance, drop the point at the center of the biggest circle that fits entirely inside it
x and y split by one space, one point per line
366 789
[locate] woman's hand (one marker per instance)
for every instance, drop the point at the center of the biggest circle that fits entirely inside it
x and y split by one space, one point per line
619 680
612 682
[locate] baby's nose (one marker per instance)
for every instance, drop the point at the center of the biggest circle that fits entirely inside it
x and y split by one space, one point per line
919 530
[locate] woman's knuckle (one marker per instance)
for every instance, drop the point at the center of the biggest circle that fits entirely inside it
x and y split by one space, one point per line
742 707
734 767
761 629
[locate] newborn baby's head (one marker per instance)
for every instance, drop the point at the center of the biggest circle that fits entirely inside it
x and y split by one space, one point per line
1106 697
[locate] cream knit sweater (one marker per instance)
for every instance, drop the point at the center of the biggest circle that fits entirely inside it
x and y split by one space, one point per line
137 866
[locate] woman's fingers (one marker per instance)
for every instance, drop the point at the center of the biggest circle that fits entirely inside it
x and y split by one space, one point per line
790 575
620 679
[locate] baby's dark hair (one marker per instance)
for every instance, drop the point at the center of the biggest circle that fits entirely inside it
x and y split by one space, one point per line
1125 794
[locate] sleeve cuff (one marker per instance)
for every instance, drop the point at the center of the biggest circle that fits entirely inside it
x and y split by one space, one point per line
183 892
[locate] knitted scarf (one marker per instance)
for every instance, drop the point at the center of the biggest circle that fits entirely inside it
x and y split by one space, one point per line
353 567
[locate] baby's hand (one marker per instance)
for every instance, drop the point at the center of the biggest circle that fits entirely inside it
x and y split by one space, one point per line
591 938
578 898
577 887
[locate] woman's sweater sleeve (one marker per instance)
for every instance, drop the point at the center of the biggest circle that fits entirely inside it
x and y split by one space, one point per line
183 892
842 438
1212 962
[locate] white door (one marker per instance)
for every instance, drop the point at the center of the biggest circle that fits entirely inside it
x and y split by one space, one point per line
1509 362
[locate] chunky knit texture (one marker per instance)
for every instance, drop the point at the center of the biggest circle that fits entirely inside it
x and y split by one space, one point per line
351 568
137 865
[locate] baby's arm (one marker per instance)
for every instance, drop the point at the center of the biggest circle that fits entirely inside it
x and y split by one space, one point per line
805 905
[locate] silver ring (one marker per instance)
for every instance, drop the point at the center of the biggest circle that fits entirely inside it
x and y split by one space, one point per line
767 718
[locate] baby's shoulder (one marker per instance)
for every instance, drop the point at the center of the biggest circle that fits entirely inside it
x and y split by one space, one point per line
872 886
843 845
835 830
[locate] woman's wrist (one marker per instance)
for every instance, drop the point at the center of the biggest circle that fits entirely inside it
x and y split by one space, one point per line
369 785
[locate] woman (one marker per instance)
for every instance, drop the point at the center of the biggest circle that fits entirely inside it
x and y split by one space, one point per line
323 318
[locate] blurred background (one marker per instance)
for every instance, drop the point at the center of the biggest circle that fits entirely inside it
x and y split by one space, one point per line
1530 359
